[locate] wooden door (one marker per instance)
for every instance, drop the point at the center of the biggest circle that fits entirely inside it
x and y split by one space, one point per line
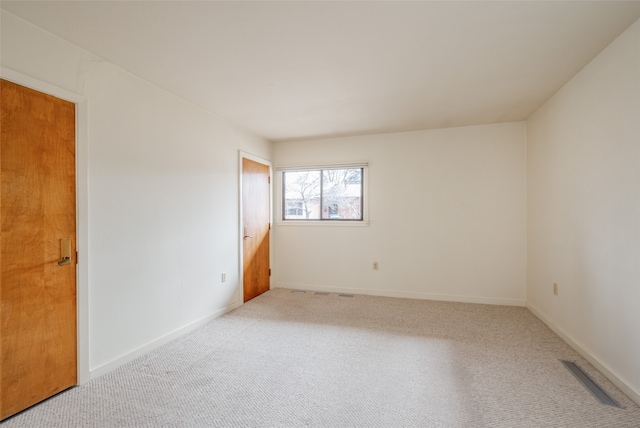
38 295
256 207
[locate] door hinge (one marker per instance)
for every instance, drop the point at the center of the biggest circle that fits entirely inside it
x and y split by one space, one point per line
269 272
76 257
269 179
269 226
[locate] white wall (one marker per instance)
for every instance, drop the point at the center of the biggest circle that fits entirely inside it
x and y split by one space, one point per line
584 211
447 217
161 203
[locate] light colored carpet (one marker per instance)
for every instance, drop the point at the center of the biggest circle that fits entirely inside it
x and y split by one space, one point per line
293 360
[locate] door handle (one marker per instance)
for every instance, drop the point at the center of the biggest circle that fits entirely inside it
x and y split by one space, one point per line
65 252
245 237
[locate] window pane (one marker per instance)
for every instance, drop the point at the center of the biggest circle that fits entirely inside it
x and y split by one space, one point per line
301 195
342 194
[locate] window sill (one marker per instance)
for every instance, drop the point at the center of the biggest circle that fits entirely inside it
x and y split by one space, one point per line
325 223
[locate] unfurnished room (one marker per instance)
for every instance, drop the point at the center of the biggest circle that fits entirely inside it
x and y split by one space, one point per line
320 213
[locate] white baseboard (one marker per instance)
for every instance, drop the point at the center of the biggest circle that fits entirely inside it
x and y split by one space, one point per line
599 365
105 368
404 294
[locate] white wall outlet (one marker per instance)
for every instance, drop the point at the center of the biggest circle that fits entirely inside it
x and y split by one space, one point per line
223 277
555 288
375 265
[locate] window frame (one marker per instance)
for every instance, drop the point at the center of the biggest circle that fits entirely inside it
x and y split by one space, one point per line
364 195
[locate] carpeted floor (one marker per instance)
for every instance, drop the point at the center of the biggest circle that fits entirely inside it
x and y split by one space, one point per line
287 359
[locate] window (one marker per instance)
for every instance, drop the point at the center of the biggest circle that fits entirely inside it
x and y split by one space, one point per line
294 209
332 194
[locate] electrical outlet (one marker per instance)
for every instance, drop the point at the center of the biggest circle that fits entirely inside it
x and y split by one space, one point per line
223 277
375 265
555 288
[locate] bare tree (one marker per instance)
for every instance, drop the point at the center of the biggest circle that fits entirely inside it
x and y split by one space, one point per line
303 187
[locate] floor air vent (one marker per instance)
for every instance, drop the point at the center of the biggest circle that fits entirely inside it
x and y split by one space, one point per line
298 292
589 384
321 293
345 295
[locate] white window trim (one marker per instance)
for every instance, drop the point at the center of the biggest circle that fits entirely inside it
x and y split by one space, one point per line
323 223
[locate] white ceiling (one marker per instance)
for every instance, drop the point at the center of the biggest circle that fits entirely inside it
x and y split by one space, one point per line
299 70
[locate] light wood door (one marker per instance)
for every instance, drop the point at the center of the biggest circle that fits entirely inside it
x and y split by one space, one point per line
256 207
38 296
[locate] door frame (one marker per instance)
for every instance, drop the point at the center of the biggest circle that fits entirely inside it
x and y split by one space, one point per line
244 155
82 208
